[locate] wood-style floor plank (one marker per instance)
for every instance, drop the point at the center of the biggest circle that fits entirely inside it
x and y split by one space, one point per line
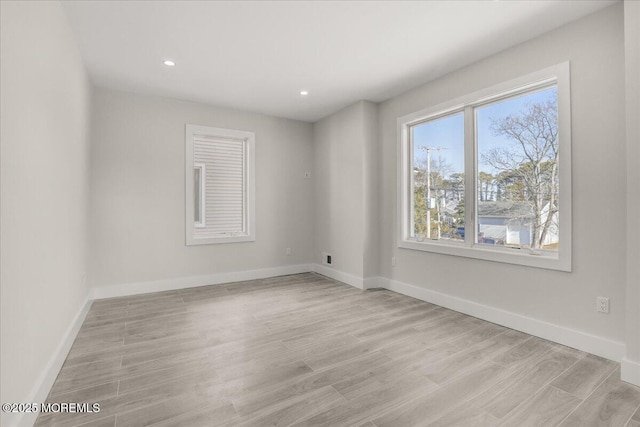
306 350
611 404
585 376
464 416
547 408
427 408
505 396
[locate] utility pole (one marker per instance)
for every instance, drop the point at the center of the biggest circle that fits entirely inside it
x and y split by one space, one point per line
428 192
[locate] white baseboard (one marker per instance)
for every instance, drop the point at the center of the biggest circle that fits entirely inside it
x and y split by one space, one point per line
630 371
124 289
347 278
613 350
43 385
375 282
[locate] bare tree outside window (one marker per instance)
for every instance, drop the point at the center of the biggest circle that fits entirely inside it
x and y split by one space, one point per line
518 176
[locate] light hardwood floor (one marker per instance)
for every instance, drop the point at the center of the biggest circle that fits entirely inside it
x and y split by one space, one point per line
307 350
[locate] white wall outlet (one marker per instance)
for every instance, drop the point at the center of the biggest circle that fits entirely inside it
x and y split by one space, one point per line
287 251
602 305
307 174
393 261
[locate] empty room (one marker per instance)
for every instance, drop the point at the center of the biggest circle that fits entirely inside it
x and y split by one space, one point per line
328 213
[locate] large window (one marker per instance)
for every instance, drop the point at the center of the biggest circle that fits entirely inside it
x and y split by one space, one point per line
219 185
488 175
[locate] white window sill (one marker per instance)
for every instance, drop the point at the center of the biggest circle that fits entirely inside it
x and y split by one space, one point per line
543 259
221 239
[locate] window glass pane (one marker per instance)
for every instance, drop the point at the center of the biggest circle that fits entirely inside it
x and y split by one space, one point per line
438 178
517 178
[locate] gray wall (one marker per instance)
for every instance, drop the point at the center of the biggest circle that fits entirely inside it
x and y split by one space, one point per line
345 195
595 47
371 193
137 191
632 92
45 182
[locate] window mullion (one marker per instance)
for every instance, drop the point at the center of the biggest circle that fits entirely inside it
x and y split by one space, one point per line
409 195
469 176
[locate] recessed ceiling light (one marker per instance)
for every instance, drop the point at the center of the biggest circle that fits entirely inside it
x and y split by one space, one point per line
304 92
168 63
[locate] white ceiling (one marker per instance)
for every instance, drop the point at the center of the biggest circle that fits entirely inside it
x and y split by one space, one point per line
257 56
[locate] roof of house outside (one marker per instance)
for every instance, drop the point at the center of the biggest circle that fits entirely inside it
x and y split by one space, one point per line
509 209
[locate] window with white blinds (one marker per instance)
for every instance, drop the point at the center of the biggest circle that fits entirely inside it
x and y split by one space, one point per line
219 183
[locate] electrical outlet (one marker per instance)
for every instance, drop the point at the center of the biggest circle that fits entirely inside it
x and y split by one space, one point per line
326 258
393 261
287 251
307 174
602 305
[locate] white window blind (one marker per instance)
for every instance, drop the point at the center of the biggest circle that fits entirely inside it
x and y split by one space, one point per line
224 185
220 185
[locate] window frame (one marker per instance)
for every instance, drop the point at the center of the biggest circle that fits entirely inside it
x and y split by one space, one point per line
558 75
248 138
